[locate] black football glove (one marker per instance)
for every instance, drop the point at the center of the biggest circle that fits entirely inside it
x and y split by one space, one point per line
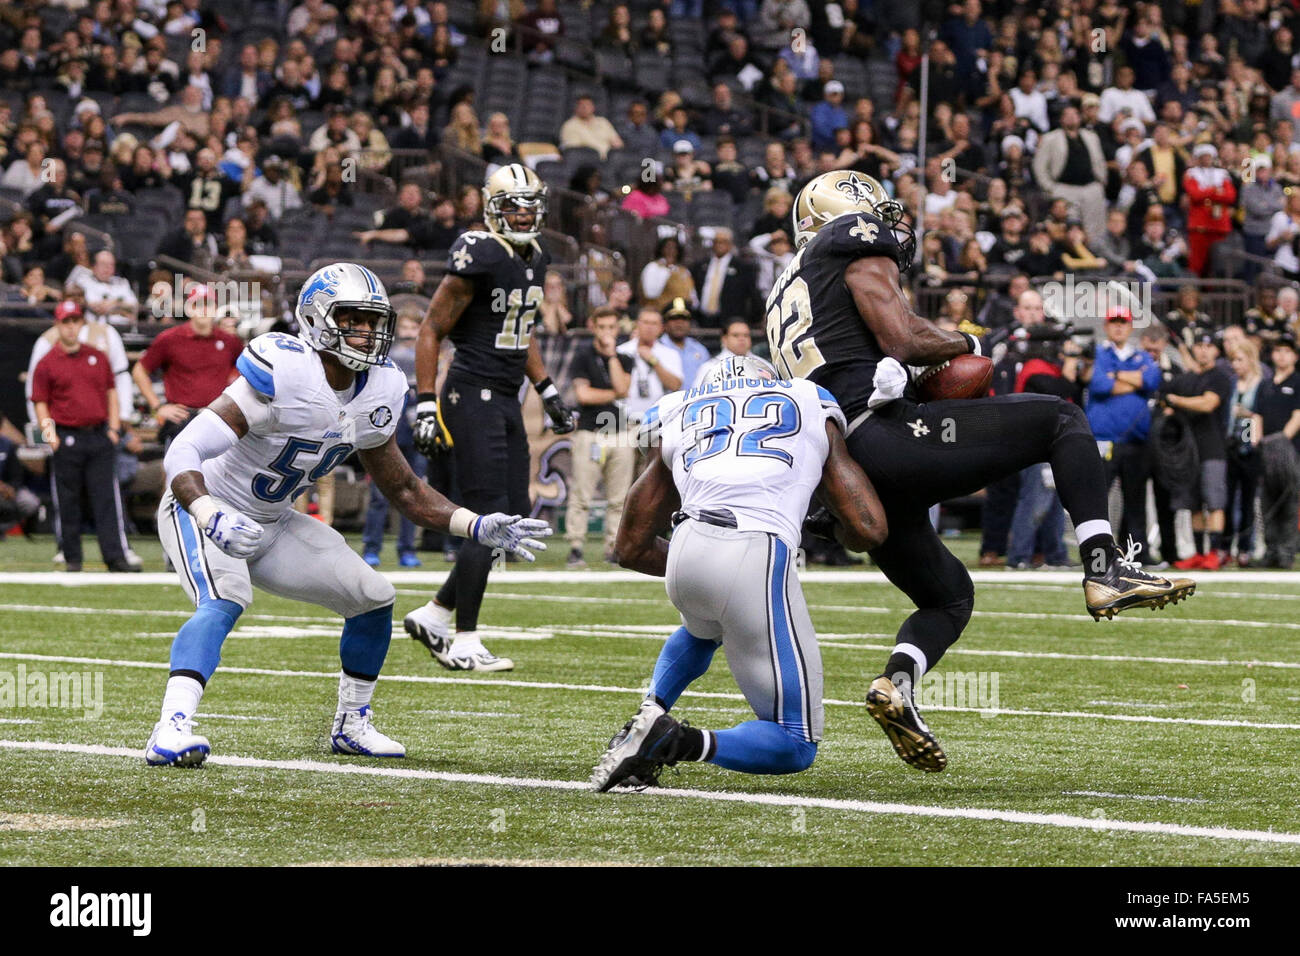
820 523
563 418
430 432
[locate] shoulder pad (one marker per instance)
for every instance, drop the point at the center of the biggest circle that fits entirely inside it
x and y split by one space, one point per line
856 236
269 357
475 253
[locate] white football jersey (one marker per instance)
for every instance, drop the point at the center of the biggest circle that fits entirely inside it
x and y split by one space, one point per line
305 430
751 447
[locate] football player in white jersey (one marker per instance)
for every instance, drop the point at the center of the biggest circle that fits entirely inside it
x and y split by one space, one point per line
299 407
739 458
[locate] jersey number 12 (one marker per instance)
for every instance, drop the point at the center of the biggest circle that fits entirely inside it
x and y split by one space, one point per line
521 312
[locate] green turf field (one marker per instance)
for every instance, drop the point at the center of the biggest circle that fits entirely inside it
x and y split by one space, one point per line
1147 740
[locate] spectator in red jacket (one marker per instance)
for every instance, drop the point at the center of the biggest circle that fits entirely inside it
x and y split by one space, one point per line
1211 195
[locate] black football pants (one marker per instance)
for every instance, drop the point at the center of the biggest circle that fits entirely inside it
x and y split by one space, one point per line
919 454
492 465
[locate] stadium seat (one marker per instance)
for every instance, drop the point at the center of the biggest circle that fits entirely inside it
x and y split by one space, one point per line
711 208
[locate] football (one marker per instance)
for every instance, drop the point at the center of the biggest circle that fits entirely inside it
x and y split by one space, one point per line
966 376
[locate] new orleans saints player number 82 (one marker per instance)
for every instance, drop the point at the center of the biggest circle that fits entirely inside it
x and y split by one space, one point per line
789 322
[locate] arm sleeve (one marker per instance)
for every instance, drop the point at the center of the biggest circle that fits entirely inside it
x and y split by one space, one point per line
831 408
206 437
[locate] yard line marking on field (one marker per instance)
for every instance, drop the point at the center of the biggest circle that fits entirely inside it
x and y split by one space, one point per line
1061 820
202 716
1131 796
16 720
540 576
465 713
640 691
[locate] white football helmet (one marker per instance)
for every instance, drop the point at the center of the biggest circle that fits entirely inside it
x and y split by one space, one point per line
740 367
345 286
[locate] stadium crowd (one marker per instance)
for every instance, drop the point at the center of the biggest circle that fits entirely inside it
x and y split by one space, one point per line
1155 144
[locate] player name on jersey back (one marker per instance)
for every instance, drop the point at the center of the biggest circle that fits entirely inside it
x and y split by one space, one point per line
753 447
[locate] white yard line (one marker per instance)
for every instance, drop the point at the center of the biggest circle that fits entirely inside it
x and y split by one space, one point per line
638 691
1062 656
1060 820
203 716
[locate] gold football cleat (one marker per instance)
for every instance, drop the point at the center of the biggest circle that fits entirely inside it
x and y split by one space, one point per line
901 721
1125 585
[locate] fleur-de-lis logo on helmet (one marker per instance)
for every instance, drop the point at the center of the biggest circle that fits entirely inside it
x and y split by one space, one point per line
855 189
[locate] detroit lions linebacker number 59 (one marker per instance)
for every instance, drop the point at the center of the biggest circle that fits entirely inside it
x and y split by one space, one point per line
298 408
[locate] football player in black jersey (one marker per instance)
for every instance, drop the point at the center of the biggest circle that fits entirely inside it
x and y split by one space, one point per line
838 315
486 304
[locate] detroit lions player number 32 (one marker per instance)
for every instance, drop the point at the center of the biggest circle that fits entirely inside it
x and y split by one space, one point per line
739 457
298 408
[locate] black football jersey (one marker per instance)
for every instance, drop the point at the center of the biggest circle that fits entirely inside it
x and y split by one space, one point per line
814 330
492 334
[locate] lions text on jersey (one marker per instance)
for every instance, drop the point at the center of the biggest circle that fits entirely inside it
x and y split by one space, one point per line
492 334
753 447
305 430
813 325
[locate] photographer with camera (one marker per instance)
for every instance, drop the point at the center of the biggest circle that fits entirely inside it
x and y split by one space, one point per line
1053 360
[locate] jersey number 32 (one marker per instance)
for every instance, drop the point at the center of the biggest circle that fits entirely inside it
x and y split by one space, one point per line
789 322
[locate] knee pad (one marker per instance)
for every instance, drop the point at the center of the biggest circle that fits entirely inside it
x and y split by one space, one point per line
959 612
376 592
1071 421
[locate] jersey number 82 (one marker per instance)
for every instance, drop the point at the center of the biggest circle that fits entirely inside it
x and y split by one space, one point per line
788 323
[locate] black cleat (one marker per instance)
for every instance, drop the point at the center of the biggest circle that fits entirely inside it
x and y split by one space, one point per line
901 721
647 743
1126 584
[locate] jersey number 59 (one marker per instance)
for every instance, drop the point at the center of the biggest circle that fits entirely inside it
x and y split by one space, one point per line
788 322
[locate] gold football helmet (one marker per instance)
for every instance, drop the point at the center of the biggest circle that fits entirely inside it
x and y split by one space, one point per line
514 203
844 191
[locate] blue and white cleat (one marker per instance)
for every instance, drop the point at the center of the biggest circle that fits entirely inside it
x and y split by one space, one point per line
173 743
354 734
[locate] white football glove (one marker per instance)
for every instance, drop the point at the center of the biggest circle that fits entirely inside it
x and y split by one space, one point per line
232 532
512 533
890 381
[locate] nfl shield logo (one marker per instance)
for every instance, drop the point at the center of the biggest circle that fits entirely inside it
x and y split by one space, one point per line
486 394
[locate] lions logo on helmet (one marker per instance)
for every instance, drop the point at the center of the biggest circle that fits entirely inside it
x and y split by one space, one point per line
334 290
843 192
515 191
741 367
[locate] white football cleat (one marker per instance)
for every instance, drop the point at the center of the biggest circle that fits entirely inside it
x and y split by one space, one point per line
173 743
354 734
431 626
479 659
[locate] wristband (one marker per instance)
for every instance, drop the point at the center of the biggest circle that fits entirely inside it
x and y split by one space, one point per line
202 509
426 408
423 397
546 388
972 342
462 523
